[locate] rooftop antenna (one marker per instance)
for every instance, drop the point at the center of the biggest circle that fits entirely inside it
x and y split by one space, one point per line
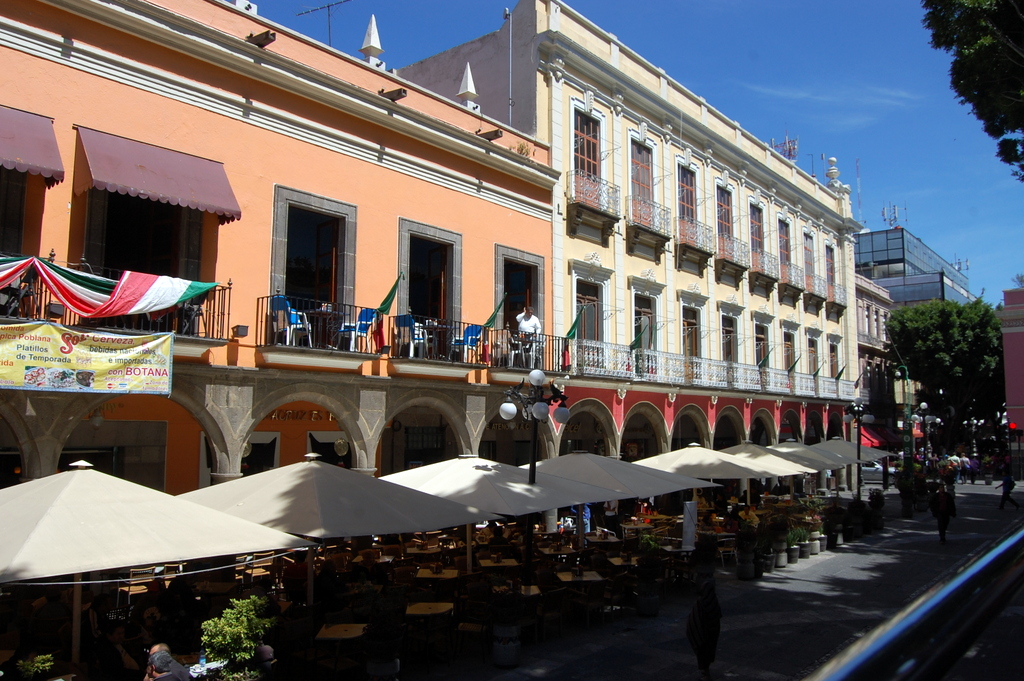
787 148
511 103
329 7
860 207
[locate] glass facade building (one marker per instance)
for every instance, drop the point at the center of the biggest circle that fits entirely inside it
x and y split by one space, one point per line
909 269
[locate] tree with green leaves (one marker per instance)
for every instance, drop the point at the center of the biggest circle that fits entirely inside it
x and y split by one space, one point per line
955 351
1018 280
986 40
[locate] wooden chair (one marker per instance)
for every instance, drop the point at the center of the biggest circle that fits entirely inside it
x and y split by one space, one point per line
590 600
474 622
727 548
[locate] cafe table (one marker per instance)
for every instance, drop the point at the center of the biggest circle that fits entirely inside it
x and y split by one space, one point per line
427 573
340 632
587 576
504 562
557 550
427 609
598 539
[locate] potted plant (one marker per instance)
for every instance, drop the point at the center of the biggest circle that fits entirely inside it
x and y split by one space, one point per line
507 608
233 637
803 541
988 466
35 665
746 543
765 552
778 530
792 550
834 516
648 570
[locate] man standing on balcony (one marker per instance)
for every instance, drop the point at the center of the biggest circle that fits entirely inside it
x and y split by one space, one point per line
528 322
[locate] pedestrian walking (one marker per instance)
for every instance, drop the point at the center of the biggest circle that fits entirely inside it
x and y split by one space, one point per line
943 508
975 468
704 626
1007 484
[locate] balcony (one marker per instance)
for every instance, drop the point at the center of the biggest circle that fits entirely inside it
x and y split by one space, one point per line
593 207
199 324
708 373
764 270
648 227
744 377
815 292
791 283
597 358
836 302
732 258
776 381
662 367
827 387
804 385
846 390
695 244
511 354
871 341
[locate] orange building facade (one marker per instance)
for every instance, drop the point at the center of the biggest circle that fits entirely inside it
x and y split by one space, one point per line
311 185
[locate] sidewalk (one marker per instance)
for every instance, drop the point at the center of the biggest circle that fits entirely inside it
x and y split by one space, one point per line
787 624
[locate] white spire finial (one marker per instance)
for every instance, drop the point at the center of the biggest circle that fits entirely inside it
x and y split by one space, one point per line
371 48
467 91
468 88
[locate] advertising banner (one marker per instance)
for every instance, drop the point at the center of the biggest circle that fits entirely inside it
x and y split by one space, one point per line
46 356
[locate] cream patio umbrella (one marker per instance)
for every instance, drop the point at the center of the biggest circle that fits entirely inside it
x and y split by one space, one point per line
835 459
315 499
849 450
699 462
752 452
84 521
498 487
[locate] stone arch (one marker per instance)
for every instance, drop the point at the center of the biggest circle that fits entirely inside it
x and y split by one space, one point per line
790 427
835 426
453 413
762 427
815 429
698 419
342 408
736 429
546 436
602 415
657 420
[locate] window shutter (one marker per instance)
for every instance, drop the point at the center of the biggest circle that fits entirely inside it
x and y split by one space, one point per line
96 228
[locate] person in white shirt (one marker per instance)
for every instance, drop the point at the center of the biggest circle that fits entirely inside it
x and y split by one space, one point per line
528 322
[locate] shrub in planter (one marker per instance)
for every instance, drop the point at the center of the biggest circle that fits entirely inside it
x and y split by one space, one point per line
234 636
35 666
746 543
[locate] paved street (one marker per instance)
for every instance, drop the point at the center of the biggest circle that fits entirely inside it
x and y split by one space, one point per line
784 625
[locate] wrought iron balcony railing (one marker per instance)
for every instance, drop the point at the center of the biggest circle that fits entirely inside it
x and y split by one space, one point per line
837 294
803 385
597 358
792 275
650 216
593 192
733 250
696 235
816 285
744 376
764 263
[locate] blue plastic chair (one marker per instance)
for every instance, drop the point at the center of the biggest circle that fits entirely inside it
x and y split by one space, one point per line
360 329
288 323
469 341
409 333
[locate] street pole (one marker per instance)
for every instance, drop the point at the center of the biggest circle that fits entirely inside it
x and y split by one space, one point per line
528 557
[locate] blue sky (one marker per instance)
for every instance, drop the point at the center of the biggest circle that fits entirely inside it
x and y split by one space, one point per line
851 80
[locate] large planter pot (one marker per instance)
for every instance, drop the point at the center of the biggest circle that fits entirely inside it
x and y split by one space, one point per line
793 554
815 546
907 508
768 562
744 565
858 529
804 549
759 566
506 646
781 559
823 544
878 520
988 478
840 538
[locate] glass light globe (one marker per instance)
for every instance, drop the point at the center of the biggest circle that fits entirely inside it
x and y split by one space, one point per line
537 377
924 405
540 411
848 418
508 411
868 418
561 415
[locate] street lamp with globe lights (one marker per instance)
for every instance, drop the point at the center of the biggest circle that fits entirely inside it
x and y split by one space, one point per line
927 421
857 413
535 405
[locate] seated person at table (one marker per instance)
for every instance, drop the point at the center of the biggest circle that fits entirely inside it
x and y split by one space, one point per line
708 522
528 322
112 662
164 667
732 522
368 569
747 514
484 535
499 538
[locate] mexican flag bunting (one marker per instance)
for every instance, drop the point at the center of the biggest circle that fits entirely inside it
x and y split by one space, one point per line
89 295
840 374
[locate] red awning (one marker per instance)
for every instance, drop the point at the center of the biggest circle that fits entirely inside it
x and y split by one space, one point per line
28 145
874 436
125 166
